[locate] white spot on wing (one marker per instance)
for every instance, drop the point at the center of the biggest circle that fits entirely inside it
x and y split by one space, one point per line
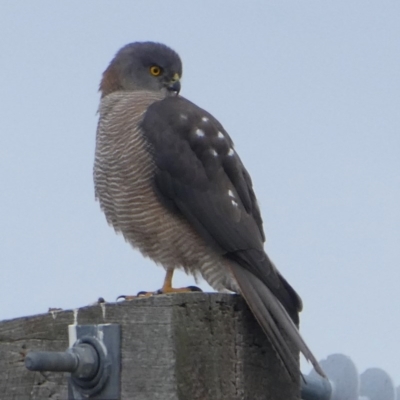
231 193
220 135
184 116
199 133
231 152
234 203
204 119
213 152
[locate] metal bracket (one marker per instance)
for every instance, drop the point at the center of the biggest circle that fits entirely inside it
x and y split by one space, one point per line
94 360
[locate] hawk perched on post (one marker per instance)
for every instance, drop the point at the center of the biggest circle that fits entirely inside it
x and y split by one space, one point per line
168 178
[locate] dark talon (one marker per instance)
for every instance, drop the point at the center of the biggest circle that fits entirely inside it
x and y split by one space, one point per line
194 289
120 297
141 293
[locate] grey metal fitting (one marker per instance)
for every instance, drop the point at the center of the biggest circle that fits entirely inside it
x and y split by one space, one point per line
316 388
93 361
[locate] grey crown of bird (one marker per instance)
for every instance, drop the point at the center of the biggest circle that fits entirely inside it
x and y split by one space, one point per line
168 178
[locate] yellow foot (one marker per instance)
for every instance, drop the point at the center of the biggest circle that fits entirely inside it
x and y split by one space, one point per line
166 289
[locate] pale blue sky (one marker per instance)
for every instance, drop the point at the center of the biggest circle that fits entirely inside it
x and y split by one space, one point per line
310 93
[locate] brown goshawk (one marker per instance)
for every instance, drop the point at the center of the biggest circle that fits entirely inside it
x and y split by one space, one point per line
168 178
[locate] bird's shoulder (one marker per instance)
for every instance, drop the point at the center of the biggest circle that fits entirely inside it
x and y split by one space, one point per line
187 122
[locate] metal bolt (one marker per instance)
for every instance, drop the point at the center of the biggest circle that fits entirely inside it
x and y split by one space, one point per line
81 360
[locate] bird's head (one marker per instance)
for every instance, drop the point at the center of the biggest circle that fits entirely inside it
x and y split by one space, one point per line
143 66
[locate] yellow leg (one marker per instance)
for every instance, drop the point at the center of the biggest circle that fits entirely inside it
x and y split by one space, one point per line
167 286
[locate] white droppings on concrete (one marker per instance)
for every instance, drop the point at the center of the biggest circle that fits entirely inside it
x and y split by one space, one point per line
76 310
53 314
100 333
100 337
103 309
72 336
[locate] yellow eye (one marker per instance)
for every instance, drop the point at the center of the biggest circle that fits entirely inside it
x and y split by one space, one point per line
155 70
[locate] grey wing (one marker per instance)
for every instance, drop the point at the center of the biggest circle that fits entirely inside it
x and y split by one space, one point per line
200 176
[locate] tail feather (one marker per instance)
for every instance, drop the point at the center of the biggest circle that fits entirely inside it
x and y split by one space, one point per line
273 318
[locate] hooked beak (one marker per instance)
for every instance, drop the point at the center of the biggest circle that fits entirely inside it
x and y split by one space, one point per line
175 84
